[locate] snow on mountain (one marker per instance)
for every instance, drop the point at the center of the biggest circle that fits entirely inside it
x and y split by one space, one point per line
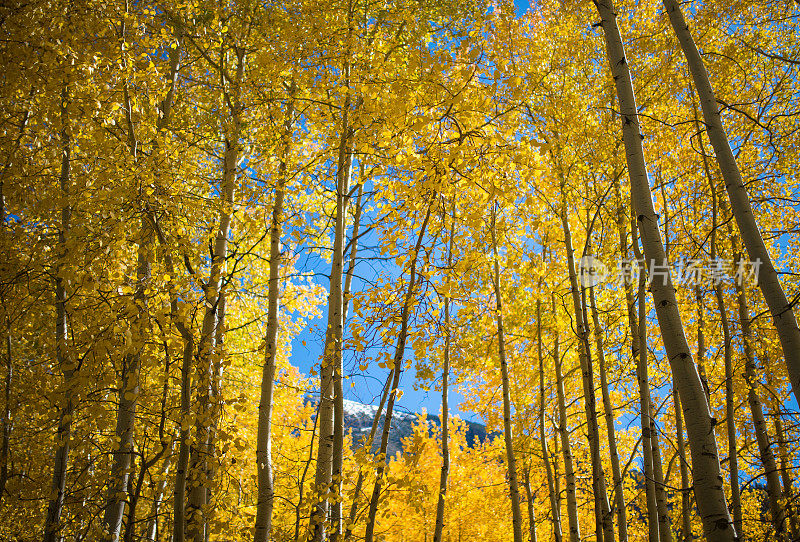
358 418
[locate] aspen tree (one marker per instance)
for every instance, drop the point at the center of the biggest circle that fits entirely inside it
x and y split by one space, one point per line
338 430
397 368
709 491
619 494
529 501
511 463
730 421
445 470
129 385
151 525
266 485
686 519
783 316
329 372
765 452
201 453
604 528
63 358
786 475
638 325
555 509
569 469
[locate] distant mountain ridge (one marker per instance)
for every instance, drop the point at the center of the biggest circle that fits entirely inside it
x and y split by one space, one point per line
358 419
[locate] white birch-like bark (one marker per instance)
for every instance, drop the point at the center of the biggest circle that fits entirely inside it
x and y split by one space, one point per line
338 404
333 339
709 491
129 385
765 452
786 476
266 488
604 524
645 403
199 470
686 518
397 367
445 470
58 485
555 508
619 494
529 501
566 449
511 464
783 316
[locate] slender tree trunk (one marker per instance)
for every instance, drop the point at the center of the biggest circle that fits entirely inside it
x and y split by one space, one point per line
569 470
645 402
619 494
333 342
68 369
765 452
508 437
604 525
686 519
201 453
445 470
730 421
338 411
786 476
555 509
129 386
302 483
782 314
184 426
182 467
266 488
664 527
529 501
638 330
397 367
701 344
710 493
330 371
368 445
662 506
128 397
151 527
557 475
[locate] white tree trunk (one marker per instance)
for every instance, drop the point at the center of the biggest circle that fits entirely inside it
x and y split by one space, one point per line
397 367
708 488
511 465
201 453
783 316
266 488
63 433
604 523
566 449
555 508
445 470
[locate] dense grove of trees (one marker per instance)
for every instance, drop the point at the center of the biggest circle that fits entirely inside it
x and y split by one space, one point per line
461 172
